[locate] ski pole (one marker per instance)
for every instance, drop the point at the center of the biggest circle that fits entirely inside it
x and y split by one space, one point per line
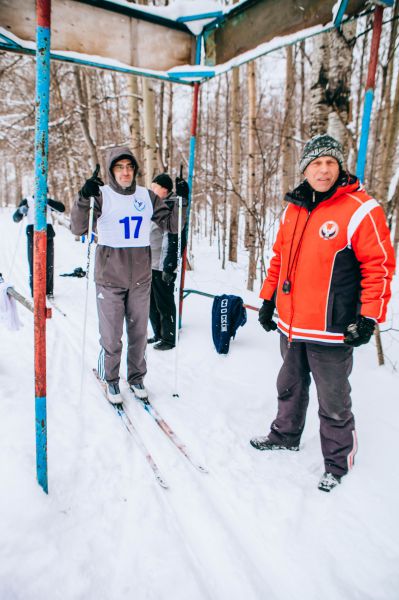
89 241
177 293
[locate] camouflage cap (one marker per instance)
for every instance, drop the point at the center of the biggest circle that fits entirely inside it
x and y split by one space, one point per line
321 145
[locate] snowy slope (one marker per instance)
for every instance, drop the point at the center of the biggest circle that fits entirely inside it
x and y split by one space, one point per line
254 528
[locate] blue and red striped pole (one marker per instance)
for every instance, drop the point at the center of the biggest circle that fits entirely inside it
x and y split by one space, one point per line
191 165
369 93
43 11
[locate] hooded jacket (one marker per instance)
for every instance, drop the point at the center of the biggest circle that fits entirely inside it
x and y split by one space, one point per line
124 266
334 258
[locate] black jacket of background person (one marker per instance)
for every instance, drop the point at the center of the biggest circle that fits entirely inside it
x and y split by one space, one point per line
54 204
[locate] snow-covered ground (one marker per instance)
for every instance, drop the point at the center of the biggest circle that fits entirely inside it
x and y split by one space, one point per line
256 527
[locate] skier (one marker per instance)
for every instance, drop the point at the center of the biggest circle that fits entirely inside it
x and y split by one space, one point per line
26 208
123 212
330 280
164 263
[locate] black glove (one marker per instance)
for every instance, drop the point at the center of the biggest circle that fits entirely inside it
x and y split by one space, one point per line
168 278
182 188
360 332
92 185
266 313
23 210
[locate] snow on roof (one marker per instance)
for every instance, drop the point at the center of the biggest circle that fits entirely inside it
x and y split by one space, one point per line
179 10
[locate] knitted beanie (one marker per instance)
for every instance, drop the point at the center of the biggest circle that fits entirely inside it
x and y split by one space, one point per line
164 181
321 145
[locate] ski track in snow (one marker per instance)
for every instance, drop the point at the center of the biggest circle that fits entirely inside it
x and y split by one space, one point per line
254 527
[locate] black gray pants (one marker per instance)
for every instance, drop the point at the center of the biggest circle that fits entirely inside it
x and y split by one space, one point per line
330 367
116 305
162 308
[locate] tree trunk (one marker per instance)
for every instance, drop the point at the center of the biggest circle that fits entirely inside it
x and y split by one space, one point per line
134 120
395 201
391 142
303 92
379 170
235 164
71 184
169 132
352 160
83 117
226 149
339 79
160 152
288 130
251 78
319 108
150 150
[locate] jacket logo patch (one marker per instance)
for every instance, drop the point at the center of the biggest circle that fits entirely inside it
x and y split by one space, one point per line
139 204
329 230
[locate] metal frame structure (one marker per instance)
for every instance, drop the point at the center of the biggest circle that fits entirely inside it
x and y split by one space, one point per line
193 78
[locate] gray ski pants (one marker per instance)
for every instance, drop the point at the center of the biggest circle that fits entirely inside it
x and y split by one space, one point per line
114 306
330 367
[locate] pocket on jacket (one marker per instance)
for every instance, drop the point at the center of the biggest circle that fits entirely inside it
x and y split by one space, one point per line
341 310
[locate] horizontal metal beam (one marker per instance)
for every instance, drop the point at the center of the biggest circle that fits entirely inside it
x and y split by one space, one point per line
87 61
256 22
107 30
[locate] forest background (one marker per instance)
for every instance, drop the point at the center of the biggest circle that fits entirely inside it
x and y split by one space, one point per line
253 124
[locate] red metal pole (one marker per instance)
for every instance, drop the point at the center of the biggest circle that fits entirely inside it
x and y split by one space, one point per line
43 13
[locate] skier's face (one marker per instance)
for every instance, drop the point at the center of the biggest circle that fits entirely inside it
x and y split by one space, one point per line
123 171
159 190
322 173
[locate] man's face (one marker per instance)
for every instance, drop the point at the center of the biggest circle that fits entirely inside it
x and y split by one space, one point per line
123 172
159 190
322 173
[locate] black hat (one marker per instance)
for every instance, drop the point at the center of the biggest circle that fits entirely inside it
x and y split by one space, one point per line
164 181
321 145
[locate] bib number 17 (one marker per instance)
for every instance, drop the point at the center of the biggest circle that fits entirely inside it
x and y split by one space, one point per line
126 222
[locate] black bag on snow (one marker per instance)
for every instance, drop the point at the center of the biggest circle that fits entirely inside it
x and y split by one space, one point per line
228 314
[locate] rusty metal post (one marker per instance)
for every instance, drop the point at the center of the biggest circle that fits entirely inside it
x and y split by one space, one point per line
43 11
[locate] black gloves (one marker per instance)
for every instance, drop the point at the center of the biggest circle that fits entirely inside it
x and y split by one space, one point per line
92 185
360 332
168 278
266 313
182 188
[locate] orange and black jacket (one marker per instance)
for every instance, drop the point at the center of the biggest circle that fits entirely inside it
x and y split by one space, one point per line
333 260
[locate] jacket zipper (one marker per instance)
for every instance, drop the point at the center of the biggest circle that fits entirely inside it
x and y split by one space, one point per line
296 259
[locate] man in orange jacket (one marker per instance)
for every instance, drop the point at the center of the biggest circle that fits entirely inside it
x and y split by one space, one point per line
330 279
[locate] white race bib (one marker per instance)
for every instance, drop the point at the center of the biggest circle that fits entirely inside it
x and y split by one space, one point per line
125 221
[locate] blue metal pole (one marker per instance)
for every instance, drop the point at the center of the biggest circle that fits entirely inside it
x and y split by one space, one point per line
43 8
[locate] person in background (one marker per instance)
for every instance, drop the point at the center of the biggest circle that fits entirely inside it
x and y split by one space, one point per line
123 213
164 247
330 280
26 208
